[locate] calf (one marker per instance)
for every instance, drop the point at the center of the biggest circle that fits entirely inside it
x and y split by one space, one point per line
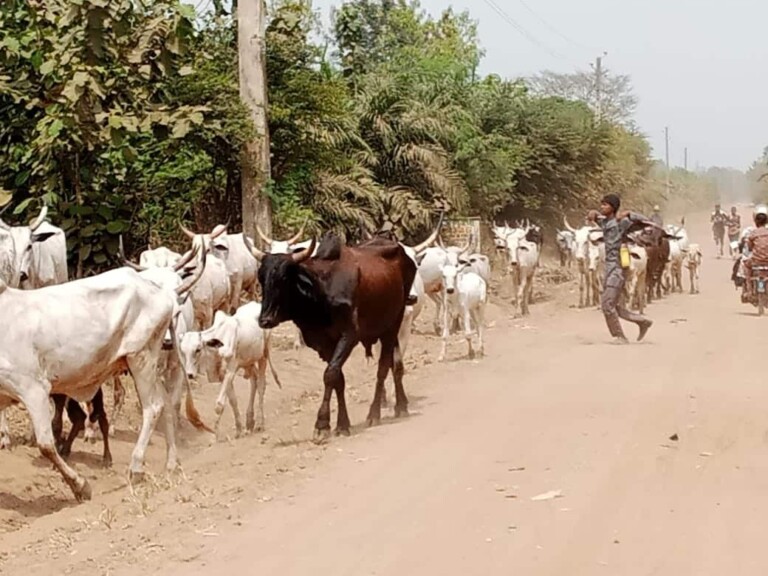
237 342
343 296
466 297
111 322
693 263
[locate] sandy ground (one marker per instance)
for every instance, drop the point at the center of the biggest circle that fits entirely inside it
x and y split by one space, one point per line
553 411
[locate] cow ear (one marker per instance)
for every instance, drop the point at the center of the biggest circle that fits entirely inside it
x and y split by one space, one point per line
304 283
214 343
42 236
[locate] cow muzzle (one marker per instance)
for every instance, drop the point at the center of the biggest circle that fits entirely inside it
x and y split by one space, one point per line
450 290
412 300
23 277
267 322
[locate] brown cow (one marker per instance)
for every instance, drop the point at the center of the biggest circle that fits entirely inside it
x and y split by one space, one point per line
341 297
656 242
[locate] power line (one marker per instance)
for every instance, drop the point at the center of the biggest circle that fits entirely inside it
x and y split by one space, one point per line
552 28
530 37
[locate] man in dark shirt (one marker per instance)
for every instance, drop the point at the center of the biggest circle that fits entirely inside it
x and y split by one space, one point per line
615 225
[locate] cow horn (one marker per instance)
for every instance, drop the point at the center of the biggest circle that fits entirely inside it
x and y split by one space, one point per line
258 254
300 257
40 218
298 234
263 236
506 224
187 231
570 228
184 260
419 248
440 242
121 253
219 230
190 282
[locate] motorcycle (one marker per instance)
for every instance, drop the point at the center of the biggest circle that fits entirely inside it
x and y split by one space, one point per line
759 295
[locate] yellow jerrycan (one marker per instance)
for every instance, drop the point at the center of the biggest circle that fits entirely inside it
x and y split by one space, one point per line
624 256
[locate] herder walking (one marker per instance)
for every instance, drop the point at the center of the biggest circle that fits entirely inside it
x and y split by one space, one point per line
615 225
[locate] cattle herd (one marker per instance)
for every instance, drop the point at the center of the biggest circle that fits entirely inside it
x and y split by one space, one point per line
175 316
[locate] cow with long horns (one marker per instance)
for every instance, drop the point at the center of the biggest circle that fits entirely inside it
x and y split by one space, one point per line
239 267
342 297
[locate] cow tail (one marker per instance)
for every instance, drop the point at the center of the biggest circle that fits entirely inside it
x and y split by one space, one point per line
271 366
192 414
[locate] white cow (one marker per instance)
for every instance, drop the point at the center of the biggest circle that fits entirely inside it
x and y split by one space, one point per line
565 240
69 338
30 257
480 264
240 266
233 342
589 252
47 264
170 368
286 246
160 257
678 248
523 258
466 296
693 263
16 248
212 293
636 284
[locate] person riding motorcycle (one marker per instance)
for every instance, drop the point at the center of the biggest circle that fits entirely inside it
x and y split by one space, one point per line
756 243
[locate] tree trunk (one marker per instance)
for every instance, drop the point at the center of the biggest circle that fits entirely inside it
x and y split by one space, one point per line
253 92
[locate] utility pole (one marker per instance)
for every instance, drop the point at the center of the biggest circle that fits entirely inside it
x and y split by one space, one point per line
666 155
598 67
251 29
685 158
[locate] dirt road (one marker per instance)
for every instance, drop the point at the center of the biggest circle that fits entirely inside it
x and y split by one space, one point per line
552 410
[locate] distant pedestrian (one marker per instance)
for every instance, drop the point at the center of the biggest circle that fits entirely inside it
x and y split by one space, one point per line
734 228
656 216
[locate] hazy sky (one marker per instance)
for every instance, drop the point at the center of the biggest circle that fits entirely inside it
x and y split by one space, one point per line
697 65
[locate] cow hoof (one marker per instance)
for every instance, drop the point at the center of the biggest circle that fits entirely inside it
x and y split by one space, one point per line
343 432
5 443
107 462
471 355
219 409
83 491
321 436
401 412
372 421
135 477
